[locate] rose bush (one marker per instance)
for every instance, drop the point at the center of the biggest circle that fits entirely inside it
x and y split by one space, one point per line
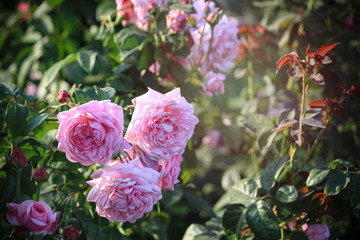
161 124
124 191
36 217
91 133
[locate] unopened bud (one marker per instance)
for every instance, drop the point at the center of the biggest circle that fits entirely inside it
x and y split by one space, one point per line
40 174
64 97
71 233
18 158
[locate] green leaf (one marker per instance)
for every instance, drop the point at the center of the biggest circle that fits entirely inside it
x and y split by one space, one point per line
109 92
340 162
36 121
336 182
16 119
233 220
317 176
177 71
87 60
243 192
151 81
10 89
79 96
122 83
92 230
272 171
146 57
194 230
188 8
50 74
286 194
112 233
198 203
59 161
100 93
262 221
256 122
313 123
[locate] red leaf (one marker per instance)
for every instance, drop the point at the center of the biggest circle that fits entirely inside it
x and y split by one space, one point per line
318 103
325 48
287 59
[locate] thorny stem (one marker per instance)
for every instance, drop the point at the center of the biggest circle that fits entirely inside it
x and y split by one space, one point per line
302 105
38 187
52 107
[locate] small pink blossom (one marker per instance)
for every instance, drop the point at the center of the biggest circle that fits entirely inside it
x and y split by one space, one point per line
214 83
40 174
31 89
169 172
316 231
176 20
161 124
212 139
124 191
36 217
91 133
71 233
64 96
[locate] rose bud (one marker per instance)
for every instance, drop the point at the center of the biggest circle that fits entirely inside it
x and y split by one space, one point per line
40 174
19 158
71 233
64 97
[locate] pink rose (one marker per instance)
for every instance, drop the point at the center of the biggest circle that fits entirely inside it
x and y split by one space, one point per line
126 11
161 124
91 133
71 233
169 172
18 158
214 83
40 174
316 231
212 139
64 97
176 20
223 52
124 191
36 217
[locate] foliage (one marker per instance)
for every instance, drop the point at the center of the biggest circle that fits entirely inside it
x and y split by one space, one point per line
280 146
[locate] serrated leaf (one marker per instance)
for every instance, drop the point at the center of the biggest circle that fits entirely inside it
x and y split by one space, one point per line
59 161
16 119
266 138
122 83
50 74
233 220
284 124
194 230
243 192
313 122
336 182
317 176
272 171
36 121
342 162
256 122
262 221
286 194
87 60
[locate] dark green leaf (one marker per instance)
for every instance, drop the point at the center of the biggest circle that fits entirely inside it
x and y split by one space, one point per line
112 233
194 230
87 60
16 119
122 83
151 81
256 122
146 57
233 219
79 96
272 171
313 123
336 182
198 203
340 162
317 176
286 194
262 221
177 71
50 74
59 161
36 121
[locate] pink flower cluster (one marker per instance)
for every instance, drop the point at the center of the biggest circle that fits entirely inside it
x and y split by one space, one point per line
137 11
213 51
126 188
